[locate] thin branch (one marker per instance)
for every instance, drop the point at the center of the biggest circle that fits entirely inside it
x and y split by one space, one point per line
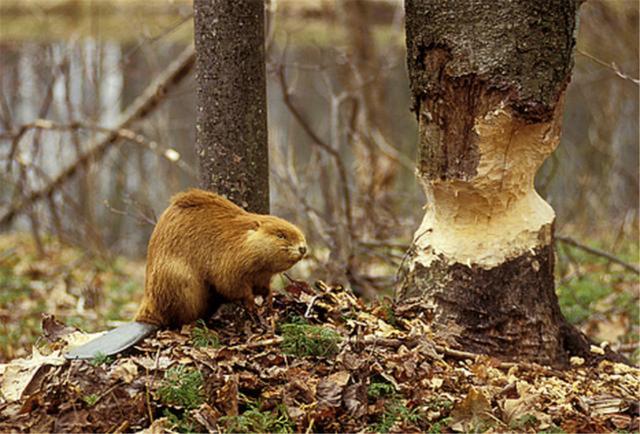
153 39
122 133
68 199
612 66
141 216
5 112
140 108
598 252
42 112
342 172
560 238
261 343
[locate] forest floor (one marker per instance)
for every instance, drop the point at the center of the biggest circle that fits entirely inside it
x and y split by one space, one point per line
323 361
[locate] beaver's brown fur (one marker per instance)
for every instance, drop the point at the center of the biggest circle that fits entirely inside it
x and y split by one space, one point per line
205 248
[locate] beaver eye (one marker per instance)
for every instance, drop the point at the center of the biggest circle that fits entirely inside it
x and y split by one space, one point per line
281 235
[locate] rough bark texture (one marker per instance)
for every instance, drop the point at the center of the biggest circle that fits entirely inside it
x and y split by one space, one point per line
498 309
465 55
487 79
232 112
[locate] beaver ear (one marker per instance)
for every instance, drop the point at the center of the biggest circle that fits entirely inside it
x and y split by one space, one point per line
255 224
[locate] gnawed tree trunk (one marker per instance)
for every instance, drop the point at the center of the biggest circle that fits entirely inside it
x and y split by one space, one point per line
231 132
488 79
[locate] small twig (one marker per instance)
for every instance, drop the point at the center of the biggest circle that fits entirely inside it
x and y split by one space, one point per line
262 343
310 427
316 140
629 348
122 427
108 391
612 66
155 38
598 252
310 306
411 342
141 217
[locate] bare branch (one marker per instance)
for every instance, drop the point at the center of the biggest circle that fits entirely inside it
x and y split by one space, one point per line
140 108
598 252
123 133
317 141
612 66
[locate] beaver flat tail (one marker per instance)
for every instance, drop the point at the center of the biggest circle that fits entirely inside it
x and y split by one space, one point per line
195 198
112 342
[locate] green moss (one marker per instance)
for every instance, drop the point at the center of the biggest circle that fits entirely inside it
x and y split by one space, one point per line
523 422
13 287
121 293
598 287
91 400
389 313
301 339
182 387
101 359
202 336
378 390
438 404
255 420
395 411
181 422
437 427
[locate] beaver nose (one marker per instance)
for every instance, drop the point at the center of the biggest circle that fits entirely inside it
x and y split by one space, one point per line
302 250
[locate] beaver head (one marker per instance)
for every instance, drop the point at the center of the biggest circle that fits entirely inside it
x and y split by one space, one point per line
276 243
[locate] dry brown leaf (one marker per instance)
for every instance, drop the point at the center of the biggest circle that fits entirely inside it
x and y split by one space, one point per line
329 392
18 374
524 405
341 378
473 409
126 371
52 329
355 399
159 426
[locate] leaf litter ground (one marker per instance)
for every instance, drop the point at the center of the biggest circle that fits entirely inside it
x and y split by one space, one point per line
322 361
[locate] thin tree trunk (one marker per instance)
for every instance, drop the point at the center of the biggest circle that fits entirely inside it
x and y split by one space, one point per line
232 111
488 79
375 172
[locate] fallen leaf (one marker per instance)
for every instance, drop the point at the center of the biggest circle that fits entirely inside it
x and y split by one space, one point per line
17 374
52 329
473 409
126 371
329 392
341 378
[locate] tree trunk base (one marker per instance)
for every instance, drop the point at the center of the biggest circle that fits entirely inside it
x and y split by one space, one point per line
494 311
576 343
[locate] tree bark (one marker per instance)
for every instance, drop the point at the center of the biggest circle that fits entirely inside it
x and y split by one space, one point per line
231 134
488 79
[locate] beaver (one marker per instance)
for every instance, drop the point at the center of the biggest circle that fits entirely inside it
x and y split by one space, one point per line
205 248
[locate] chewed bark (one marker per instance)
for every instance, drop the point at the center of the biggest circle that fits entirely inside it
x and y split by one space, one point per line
483 252
495 214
